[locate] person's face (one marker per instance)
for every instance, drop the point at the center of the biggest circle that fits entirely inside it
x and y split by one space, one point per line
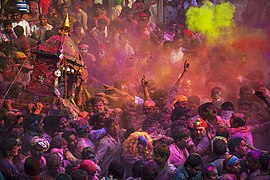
211 111
77 8
130 15
213 174
14 151
8 28
234 168
252 164
244 109
38 151
140 147
216 96
43 22
16 16
99 107
54 170
114 129
193 171
183 143
63 124
101 26
242 150
246 94
160 160
199 132
72 141
148 110
97 12
193 107
172 27
178 43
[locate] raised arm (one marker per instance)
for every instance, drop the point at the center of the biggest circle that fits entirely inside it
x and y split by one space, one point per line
179 80
144 84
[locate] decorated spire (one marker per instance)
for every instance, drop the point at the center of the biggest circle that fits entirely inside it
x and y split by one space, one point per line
66 25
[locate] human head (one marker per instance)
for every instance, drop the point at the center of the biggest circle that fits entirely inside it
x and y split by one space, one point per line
264 161
89 166
97 104
199 128
9 147
19 31
209 172
150 170
180 113
77 7
112 127
138 143
59 143
31 166
208 111
220 145
231 164
79 174
245 107
223 132
83 48
63 176
177 41
38 146
237 120
101 24
121 85
137 169
161 154
238 147
16 15
7 26
71 139
53 164
98 120
193 102
42 20
227 108
32 123
97 9
216 94
246 92
193 164
88 153
62 124
116 169
253 158
159 97
181 137
33 7
149 107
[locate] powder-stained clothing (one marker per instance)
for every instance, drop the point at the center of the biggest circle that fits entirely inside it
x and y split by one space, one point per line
177 157
108 150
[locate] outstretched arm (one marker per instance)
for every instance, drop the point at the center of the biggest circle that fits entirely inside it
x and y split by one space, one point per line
144 84
179 80
119 92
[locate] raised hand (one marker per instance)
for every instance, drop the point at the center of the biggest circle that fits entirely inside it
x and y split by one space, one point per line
107 87
144 83
186 66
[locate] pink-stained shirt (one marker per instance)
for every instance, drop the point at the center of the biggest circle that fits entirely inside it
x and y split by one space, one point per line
177 157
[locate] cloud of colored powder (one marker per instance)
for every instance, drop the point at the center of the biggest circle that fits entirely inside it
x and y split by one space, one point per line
213 21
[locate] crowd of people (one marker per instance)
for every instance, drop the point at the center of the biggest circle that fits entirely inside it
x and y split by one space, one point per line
163 103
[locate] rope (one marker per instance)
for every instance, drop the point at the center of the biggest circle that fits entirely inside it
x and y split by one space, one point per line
13 81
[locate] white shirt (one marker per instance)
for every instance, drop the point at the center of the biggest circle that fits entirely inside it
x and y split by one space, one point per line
25 25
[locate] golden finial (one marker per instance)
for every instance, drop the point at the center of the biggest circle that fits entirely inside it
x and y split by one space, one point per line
66 24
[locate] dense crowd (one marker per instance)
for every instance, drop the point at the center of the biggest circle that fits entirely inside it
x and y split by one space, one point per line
161 103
